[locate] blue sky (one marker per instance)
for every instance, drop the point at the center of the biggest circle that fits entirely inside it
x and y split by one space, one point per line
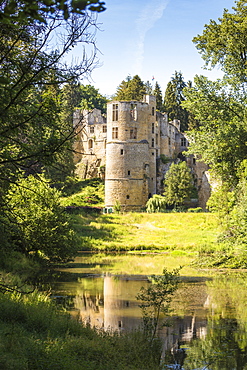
152 38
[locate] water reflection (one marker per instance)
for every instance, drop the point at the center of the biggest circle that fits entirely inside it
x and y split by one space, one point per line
207 328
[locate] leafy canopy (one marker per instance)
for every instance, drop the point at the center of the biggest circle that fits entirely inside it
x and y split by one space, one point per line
178 184
224 43
41 226
21 10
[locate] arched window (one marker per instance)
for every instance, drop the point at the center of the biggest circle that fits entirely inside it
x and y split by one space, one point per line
90 144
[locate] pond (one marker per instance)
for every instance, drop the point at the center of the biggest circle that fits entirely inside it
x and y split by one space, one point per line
207 327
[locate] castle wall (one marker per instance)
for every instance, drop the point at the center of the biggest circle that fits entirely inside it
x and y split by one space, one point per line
90 144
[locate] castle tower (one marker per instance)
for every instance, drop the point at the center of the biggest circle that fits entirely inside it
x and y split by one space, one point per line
130 153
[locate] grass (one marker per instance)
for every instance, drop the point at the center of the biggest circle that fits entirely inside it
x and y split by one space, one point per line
35 335
188 232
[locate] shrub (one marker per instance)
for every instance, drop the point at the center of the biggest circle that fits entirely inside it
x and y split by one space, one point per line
156 204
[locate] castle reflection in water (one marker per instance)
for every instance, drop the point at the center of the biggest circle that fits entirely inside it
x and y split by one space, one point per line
108 302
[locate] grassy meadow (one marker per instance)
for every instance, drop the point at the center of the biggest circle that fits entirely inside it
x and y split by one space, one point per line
189 232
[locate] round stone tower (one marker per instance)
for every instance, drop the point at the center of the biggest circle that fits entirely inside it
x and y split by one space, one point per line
129 168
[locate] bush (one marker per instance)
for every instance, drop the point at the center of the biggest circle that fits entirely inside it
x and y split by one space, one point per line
156 204
41 227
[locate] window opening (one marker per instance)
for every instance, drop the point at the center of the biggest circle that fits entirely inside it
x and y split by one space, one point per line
128 173
90 144
152 111
115 112
152 142
104 128
183 141
152 128
127 196
133 133
91 129
115 132
121 151
133 111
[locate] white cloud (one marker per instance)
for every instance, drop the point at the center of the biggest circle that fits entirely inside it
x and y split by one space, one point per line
149 15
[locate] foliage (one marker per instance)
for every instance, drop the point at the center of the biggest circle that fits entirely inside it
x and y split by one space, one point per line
91 98
220 138
36 130
133 88
156 204
236 228
21 10
83 192
35 334
164 159
178 184
158 94
155 299
224 42
41 227
195 210
117 206
221 202
33 132
173 98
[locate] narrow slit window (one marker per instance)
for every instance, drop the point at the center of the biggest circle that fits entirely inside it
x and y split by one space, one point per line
115 112
115 132
133 111
133 133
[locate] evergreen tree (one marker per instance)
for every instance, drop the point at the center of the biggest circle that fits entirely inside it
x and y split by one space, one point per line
158 94
173 99
131 89
149 88
170 102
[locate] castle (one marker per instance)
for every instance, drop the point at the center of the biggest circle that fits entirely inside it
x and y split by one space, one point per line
130 148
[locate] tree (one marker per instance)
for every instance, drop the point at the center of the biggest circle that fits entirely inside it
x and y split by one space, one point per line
91 98
156 204
32 131
224 43
170 101
158 94
21 10
173 98
220 137
37 224
156 299
34 134
178 184
149 88
131 89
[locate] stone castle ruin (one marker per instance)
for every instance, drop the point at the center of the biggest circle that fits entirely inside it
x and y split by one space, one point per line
131 148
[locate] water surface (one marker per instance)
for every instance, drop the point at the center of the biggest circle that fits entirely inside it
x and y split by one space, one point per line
208 323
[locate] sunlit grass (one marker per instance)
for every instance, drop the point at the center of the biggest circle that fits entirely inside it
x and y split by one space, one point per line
141 231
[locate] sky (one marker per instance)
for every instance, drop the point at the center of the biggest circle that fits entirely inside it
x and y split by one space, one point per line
153 39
